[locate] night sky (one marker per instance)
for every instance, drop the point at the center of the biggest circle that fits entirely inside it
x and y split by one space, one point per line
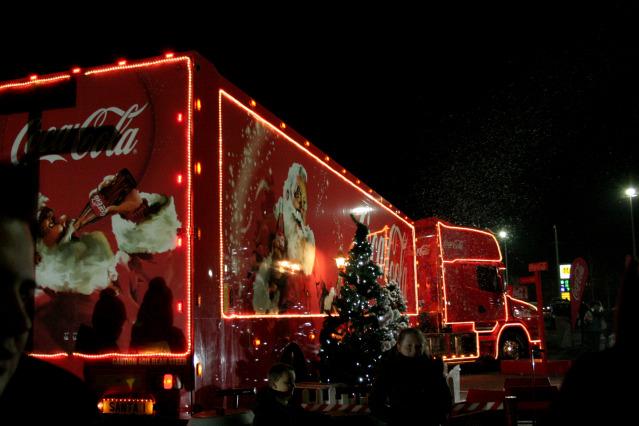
499 117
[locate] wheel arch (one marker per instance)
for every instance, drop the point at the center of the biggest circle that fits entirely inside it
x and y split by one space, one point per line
514 329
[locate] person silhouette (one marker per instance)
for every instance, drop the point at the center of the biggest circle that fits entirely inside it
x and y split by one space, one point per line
292 355
595 389
410 385
109 316
153 330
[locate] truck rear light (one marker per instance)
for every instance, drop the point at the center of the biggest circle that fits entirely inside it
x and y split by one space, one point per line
179 242
257 342
198 369
198 105
121 62
282 126
179 307
167 382
179 179
169 55
76 70
198 168
180 117
33 77
252 103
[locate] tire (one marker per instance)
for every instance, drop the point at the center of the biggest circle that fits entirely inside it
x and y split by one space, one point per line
513 346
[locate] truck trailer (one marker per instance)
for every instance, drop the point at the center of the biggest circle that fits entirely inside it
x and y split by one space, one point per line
187 239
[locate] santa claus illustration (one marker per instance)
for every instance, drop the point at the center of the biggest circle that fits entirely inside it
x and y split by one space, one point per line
292 251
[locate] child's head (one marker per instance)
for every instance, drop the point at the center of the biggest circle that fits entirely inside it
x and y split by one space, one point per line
281 378
411 342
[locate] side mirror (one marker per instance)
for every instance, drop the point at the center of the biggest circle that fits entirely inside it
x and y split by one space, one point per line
503 286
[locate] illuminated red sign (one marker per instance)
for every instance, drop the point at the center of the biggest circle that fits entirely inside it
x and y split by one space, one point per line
538 267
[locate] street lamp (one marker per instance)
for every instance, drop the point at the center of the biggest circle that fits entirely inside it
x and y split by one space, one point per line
504 237
631 193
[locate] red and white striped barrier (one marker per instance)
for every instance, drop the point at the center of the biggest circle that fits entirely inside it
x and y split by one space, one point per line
332 408
475 407
459 409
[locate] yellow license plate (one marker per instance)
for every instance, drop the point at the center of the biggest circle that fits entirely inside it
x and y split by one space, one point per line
127 406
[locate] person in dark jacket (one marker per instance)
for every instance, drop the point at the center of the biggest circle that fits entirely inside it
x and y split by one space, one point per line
276 405
410 387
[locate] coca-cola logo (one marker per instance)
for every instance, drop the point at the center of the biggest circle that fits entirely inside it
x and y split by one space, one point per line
388 250
454 244
97 204
77 140
423 250
398 267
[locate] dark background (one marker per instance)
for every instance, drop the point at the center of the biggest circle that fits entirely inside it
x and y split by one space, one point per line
498 116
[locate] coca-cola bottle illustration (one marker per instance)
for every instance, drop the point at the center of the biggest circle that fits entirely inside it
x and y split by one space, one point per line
112 191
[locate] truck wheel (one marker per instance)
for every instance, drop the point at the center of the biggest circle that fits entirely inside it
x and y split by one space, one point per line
512 346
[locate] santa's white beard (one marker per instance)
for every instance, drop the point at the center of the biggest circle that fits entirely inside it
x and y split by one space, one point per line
300 241
79 266
155 234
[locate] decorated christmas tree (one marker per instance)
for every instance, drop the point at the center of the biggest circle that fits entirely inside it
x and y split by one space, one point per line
367 320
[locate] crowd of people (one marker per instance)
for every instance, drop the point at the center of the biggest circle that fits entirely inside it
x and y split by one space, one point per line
408 384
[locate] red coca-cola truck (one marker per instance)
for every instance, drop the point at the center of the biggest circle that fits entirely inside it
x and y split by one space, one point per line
187 238
463 303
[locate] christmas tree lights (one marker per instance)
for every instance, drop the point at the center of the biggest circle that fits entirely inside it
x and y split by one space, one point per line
369 317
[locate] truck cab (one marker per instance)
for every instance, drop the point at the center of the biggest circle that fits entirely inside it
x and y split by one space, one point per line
462 294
